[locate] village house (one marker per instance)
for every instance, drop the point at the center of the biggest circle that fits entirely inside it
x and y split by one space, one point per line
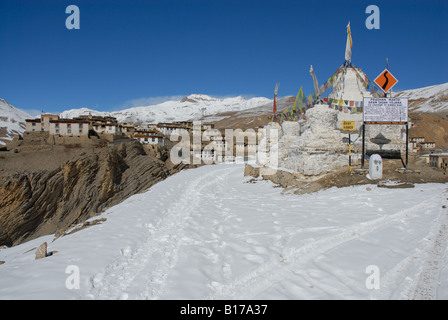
104 128
113 128
209 155
33 125
415 143
147 126
69 127
147 132
102 125
438 160
150 139
184 124
169 128
428 145
417 139
127 129
40 124
211 134
220 143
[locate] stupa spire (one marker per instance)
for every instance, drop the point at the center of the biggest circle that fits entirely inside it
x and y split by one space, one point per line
348 46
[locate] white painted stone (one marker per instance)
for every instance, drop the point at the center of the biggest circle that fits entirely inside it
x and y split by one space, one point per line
320 149
375 167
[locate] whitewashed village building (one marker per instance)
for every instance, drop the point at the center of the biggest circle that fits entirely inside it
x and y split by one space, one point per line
150 139
428 145
168 129
52 124
41 124
69 127
127 129
78 126
438 160
103 125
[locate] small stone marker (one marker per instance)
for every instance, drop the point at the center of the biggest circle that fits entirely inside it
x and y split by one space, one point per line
375 167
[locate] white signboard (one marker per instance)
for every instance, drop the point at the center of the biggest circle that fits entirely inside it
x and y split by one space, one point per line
385 110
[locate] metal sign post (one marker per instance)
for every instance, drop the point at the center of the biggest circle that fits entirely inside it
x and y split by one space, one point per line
349 126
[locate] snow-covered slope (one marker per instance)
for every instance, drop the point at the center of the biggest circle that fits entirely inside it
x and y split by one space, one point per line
427 99
193 107
12 121
207 233
249 118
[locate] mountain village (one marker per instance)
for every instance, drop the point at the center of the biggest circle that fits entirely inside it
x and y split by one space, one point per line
85 163
106 128
51 129
311 137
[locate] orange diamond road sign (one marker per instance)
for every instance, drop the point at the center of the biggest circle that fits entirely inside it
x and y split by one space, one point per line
385 80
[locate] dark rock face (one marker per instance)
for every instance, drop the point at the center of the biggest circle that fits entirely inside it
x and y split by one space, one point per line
44 202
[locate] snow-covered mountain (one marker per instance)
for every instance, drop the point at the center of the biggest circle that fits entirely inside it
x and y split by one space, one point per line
192 107
12 121
427 99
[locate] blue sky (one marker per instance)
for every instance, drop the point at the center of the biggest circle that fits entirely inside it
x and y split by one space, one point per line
135 52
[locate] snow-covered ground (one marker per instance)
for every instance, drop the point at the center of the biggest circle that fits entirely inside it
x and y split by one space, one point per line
12 119
208 233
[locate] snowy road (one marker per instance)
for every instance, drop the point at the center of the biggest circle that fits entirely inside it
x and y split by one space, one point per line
208 233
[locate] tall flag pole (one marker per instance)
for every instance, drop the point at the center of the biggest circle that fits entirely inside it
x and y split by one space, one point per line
348 47
275 98
315 83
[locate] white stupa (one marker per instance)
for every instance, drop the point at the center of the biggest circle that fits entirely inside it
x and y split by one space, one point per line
320 147
350 85
351 88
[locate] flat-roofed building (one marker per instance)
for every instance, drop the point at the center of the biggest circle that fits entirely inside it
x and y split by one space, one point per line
69 127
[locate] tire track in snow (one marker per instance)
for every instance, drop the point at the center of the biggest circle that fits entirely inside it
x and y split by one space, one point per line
161 241
256 281
428 279
401 282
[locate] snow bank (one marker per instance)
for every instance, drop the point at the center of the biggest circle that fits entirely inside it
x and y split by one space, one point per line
207 233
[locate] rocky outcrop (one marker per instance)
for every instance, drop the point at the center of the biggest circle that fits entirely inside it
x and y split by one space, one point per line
41 251
48 201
